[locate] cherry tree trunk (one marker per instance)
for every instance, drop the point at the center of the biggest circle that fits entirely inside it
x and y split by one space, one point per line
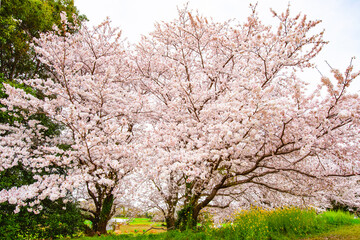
99 225
195 217
170 222
170 214
102 227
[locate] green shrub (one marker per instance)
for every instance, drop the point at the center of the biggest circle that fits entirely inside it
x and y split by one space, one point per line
206 220
280 223
338 218
53 222
294 221
184 219
248 224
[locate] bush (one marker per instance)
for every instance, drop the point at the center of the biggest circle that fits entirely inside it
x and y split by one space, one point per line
338 218
53 222
294 221
250 224
258 223
206 220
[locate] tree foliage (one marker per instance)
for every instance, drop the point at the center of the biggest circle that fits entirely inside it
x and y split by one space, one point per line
20 22
214 111
91 95
231 116
56 219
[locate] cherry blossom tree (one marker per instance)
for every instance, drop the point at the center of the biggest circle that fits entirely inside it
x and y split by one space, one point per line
231 116
92 94
226 116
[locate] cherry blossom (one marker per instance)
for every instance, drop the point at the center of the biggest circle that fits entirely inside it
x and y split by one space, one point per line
231 116
91 93
204 113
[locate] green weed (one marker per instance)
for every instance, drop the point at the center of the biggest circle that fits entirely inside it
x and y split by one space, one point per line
338 218
256 224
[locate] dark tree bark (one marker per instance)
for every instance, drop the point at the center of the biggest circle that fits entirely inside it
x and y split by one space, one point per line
101 215
170 222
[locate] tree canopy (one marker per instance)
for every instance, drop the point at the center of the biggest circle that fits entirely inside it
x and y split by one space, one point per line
232 118
205 111
20 22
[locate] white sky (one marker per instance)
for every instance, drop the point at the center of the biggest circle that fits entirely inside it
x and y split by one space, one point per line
341 20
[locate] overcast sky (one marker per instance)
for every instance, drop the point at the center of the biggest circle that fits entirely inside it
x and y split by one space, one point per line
341 20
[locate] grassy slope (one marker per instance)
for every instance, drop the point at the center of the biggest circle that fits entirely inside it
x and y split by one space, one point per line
351 232
348 232
139 225
333 225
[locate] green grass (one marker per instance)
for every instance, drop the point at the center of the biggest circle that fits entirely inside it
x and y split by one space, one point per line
172 235
339 218
141 221
347 232
284 223
136 226
88 223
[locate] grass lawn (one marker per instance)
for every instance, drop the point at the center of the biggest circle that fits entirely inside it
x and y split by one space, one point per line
348 232
351 232
138 228
139 225
143 221
258 224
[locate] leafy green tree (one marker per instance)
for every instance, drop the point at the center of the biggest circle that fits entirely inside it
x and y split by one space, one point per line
20 22
56 219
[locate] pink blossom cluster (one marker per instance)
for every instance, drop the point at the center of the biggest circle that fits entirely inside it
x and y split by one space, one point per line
204 112
233 120
92 95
